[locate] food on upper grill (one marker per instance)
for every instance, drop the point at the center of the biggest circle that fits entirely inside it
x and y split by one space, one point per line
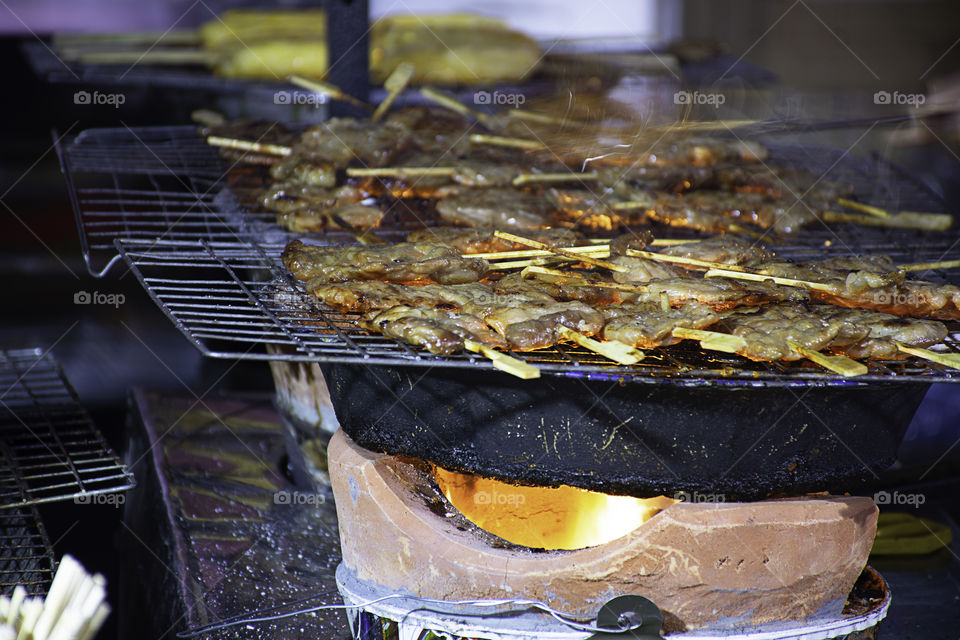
438 331
236 27
341 140
403 262
482 240
603 148
499 207
646 325
721 249
859 334
457 48
307 207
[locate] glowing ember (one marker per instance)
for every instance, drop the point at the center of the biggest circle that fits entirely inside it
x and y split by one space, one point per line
550 518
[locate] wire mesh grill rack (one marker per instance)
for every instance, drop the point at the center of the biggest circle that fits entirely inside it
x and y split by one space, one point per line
26 557
230 300
166 203
49 448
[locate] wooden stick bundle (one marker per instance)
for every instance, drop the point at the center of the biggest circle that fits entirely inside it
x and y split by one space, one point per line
74 608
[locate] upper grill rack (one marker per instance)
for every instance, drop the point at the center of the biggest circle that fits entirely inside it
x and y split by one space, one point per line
49 448
159 198
168 183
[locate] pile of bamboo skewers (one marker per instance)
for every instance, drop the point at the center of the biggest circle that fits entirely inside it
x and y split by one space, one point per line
74 609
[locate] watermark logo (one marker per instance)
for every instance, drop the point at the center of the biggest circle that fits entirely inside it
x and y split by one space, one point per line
299 97
898 298
299 497
699 498
898 98
499 98
497 498
713 99
112 499
98 98
899 499
86 297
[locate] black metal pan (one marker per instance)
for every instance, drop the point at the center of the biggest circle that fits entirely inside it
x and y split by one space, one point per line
714 441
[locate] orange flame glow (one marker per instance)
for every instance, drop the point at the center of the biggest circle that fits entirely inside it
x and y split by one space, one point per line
564 517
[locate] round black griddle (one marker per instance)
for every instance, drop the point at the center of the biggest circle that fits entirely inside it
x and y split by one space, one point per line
713 441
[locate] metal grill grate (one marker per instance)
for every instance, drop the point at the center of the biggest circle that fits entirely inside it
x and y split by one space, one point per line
230 300
26 557
213 266
49 448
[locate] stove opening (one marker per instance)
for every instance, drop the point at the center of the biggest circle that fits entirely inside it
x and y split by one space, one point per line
563 517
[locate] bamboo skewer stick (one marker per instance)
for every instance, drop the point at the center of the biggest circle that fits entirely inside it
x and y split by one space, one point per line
563 277
843 365
500 141
503 362
951 360
364 172
563 252
929 266
526 178
332 90
547 119
616 351
714 340
863 208
902 220
249 145
759 277
536 253
661 257
454 105
395 83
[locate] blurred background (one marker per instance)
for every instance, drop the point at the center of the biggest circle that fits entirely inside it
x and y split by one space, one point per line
855 68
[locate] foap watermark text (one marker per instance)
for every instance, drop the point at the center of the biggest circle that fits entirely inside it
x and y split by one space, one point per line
298 497
696 497
713 99
95 297
112 499
896 97
499 98
299 97
899 499
99 98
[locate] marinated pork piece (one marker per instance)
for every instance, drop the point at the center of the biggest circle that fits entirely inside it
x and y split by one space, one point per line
470 240
885 331
287 197
515 283
724 249
340 141
719 294
497 208
855 333
767 334
778 182
643 270
436 330
404 262
646 325
637 239
368 295
529 326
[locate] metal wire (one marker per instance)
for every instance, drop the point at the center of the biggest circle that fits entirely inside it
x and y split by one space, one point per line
49 448
26 556
209 256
